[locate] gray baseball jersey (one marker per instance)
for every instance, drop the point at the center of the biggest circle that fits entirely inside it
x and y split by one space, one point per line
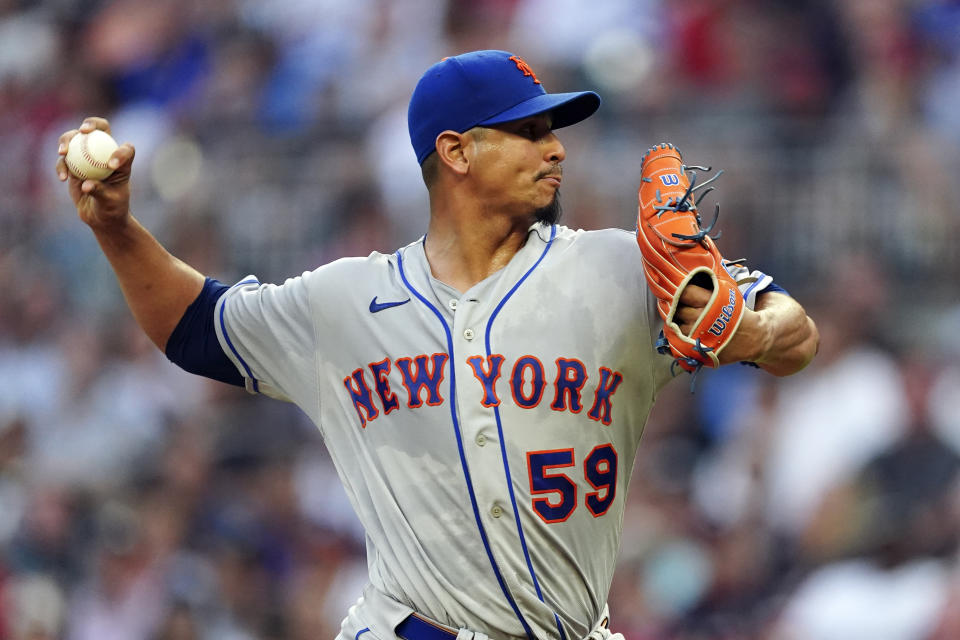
486 438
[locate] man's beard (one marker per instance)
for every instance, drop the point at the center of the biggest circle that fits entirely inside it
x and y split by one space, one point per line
551 213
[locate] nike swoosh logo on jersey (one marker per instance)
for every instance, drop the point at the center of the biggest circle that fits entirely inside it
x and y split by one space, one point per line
380 306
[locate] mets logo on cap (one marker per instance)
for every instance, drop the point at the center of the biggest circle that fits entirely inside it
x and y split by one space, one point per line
524 67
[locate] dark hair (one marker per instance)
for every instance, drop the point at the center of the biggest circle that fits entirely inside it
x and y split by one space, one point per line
428 169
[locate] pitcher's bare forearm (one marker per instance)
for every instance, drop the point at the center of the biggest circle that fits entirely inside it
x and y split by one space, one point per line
158 287
779 336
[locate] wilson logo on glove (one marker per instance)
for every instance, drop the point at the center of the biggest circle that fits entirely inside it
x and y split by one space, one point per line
678 251
726 314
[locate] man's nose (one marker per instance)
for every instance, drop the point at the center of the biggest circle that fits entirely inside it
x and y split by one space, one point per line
554 150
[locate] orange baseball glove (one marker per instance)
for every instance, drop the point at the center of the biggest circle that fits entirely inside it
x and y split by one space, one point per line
676 252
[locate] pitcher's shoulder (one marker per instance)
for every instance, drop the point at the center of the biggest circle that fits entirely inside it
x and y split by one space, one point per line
609 243
352 275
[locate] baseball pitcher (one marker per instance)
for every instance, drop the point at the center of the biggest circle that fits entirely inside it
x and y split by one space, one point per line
482 390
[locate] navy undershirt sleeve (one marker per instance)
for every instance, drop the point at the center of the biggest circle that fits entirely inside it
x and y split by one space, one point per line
193 345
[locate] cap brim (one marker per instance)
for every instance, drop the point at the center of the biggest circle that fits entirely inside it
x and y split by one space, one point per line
566 108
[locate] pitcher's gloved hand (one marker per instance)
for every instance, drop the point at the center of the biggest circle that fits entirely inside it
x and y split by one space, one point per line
677 252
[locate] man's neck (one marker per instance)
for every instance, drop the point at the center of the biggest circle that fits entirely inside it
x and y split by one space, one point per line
463 252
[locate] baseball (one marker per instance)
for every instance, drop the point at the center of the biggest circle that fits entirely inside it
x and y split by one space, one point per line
88 153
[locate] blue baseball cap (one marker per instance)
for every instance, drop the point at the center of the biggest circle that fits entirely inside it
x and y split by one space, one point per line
485 88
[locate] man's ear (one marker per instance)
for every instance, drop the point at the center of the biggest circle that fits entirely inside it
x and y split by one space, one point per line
451 151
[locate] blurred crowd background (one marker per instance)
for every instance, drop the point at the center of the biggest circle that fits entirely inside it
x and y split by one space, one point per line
138 502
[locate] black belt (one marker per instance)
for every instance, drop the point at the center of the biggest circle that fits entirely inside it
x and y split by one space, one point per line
417 628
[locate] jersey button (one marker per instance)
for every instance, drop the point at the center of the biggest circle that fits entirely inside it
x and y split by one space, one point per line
468 334
496 511
481 440
452 304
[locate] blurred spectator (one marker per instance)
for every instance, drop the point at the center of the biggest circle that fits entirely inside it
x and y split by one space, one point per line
895 516
859 599
885 51
122 598
35 606
907 492
846 408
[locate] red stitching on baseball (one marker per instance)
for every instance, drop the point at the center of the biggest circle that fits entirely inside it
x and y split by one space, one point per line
86 154
75 170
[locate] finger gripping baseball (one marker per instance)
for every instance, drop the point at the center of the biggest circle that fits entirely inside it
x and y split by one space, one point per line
677 251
